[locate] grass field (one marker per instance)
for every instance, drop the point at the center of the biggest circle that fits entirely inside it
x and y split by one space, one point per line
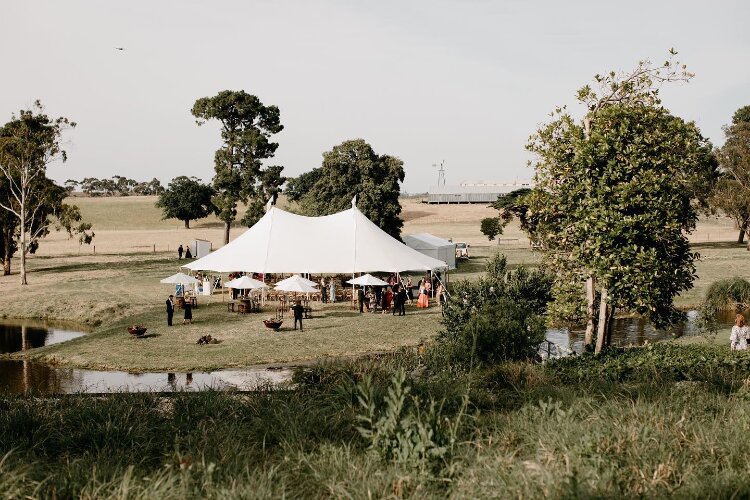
120 286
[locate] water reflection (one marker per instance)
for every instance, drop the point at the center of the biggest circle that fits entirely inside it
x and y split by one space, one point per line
21 376
637 331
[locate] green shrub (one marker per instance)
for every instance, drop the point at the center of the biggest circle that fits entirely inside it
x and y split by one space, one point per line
399 430
527 288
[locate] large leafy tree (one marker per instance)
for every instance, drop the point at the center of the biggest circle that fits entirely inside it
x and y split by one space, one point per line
186 199
33 204
353 169
614 198
732 193
246 129
298 187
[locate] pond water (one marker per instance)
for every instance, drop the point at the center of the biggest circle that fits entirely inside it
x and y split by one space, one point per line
18 376
637 331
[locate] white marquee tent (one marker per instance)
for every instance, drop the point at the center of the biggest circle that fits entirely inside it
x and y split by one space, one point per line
343 243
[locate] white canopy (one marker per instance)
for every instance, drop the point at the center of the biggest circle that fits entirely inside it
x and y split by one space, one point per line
367 280
342 243
244 283
296 283
180 279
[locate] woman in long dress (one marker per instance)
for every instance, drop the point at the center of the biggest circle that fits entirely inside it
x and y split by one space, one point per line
738 338
424 295
188 318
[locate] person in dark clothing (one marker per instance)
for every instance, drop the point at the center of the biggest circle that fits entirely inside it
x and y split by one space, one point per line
402 302
361 299
396 299
188 253
298 310
188 318
170 310
378 294
180 250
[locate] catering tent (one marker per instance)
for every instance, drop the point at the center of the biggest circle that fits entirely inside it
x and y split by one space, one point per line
433 246
343 243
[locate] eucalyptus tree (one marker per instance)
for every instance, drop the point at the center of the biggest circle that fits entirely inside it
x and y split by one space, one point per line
29 143
613 199
246 129
732 193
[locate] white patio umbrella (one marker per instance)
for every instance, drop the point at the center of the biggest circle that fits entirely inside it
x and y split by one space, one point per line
180 279
367 280
296 284
245 283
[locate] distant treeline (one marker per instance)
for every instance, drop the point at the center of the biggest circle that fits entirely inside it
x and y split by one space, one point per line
117 185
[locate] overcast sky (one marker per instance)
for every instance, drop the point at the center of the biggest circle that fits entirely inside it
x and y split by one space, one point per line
460 81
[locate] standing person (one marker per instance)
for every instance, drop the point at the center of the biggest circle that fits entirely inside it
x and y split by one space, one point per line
738 338
332 294
387 298
442 296
396 298
180 250
170 309
401 301
297 309
409 290
188 253
424 295
378 296
323 290
361 299
188 318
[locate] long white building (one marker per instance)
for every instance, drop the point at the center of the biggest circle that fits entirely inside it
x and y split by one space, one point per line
474 192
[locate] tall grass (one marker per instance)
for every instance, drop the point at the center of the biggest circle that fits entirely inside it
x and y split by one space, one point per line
728 294
658 422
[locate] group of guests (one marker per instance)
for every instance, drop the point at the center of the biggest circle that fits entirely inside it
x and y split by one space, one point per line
389 298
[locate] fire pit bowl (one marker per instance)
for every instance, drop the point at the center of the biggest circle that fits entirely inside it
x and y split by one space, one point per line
137 331
273 324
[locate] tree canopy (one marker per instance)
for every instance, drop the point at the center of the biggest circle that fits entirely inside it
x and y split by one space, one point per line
732 193
613 199
186 199
33 203
353 169
246 129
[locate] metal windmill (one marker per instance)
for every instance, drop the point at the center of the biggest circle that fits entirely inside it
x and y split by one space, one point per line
441 172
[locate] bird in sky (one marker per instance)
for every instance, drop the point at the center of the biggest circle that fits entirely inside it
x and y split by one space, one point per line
119 48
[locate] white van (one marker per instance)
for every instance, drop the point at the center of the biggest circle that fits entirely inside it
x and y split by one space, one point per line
462 250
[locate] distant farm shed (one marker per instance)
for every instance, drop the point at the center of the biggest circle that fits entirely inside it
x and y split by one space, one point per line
473 192
433 246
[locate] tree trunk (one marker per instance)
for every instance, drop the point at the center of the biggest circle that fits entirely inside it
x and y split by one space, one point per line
741 236
23 256
187 223
6 254
590 298
22 240
610 322
601 331
227 225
